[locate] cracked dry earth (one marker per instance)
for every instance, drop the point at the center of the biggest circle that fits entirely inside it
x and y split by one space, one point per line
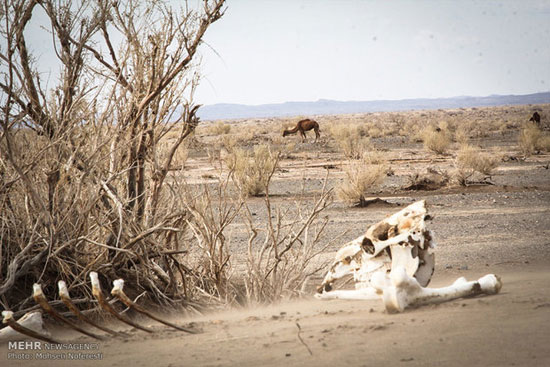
502 228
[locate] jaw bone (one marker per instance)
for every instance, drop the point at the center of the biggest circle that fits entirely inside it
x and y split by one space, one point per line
118 292
30 325
392 261
66 298
98 294
38 296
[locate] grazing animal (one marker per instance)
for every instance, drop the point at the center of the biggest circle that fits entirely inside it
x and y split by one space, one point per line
302 126
535 118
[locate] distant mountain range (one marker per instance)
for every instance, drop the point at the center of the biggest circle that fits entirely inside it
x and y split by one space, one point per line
330 107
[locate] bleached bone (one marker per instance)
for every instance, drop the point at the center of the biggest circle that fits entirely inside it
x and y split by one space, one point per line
118 292
405 291
392 261
98 294
66 298
401 239
29 325
39 297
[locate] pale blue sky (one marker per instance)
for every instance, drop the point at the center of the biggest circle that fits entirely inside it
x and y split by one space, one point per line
273 51
304 50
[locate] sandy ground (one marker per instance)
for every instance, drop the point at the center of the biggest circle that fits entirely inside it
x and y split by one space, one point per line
509 329
502 228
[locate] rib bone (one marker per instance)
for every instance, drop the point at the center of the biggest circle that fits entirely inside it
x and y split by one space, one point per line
118 292
8 319
38 296
98 294
66 298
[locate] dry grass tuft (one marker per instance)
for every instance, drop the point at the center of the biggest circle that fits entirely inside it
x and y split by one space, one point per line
532 140
360 178
470 160
219 128
180 156
438 141
528 139
375 132
373 156
432 179
252 171
462 134
544 143
350 140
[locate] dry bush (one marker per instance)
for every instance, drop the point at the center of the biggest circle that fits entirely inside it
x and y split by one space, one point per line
390 130
412 129
211 211
278 140
373 156
283 252
432 179
244 137
85 158
462 134
219 128
436 141
478 126
481 162
228 142
447 126
287 149
360 177
282 247
252 172
180 156
349 140
532 139
375 132
544 143
362 129
470 160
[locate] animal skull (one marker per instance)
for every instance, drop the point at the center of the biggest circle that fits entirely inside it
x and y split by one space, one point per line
393 261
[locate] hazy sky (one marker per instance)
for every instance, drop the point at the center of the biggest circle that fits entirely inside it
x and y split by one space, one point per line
300 50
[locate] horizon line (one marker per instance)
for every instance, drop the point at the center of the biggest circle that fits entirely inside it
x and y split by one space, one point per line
375 100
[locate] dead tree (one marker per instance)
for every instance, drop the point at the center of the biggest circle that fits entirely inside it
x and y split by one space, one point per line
82 180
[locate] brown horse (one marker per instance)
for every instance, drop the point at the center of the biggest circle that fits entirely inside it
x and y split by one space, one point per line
302 126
